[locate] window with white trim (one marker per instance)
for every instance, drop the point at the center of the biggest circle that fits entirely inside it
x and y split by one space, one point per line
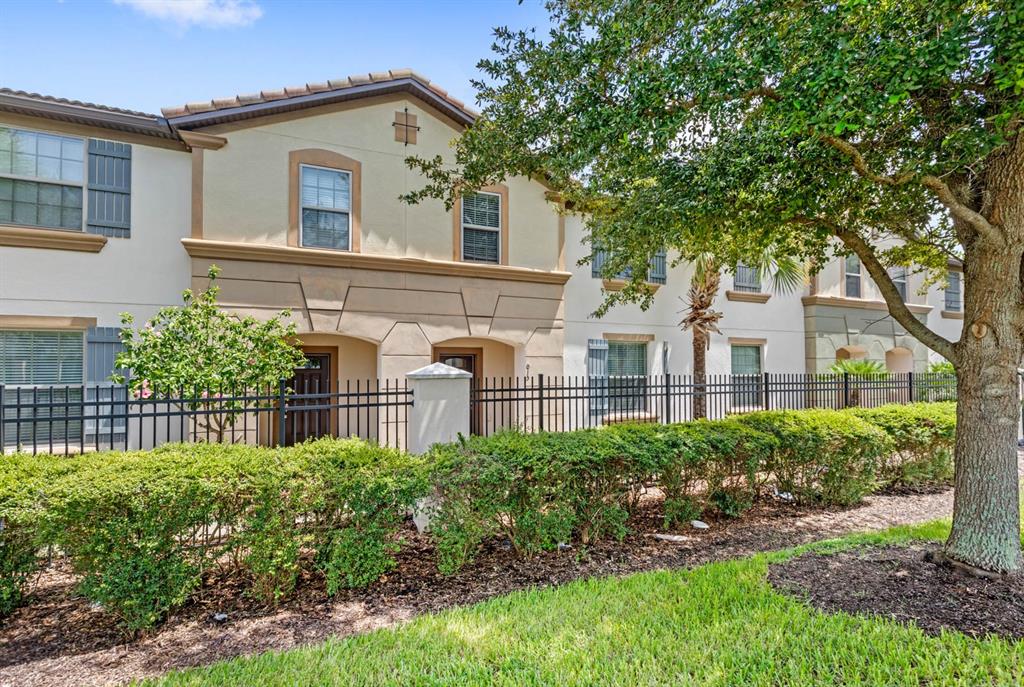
481 227
851 271
325 219
746 375
898 275
41 179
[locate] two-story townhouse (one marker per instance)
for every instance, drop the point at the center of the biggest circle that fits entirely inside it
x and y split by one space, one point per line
94 202
845 316
839 315
295 195
761 330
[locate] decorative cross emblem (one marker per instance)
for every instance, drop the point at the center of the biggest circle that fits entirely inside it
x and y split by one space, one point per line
405 127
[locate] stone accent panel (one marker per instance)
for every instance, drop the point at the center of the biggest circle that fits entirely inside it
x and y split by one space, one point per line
830 327
405 314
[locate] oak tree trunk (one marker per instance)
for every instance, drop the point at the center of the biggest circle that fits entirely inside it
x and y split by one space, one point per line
986 507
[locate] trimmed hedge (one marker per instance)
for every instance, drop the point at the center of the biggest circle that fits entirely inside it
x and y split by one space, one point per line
542 489
141 528
923 436
823 456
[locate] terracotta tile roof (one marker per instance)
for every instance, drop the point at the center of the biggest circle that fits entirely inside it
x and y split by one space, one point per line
311 88
75 103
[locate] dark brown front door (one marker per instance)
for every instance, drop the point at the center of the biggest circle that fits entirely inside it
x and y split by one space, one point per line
471 361
312 378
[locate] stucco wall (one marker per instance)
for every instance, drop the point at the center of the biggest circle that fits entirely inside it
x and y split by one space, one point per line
137 274
873 330
246 184
778 322
404 315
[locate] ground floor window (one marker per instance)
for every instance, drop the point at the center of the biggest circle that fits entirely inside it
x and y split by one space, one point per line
41 373
627 370
746 375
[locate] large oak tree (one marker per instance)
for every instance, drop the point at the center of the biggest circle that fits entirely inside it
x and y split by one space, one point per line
733 127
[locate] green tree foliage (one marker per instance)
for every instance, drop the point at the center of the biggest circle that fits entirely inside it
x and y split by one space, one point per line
197 350
885 129
862 368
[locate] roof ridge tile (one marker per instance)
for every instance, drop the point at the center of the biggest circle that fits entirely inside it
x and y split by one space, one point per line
242 100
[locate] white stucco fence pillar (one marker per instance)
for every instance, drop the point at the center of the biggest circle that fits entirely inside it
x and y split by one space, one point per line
439 413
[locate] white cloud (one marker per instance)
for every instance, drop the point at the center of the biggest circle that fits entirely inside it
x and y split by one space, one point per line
213 14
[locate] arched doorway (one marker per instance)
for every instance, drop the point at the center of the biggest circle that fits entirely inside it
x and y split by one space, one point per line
851 352
899 360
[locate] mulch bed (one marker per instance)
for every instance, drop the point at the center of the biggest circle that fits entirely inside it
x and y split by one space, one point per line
57 638
898 582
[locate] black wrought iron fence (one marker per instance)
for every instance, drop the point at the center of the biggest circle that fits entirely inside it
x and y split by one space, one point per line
69 419
561 403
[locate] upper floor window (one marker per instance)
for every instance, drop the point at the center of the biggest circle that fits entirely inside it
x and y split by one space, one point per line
746 279
954 296
851 272
657 272
481 227
325 217
41 179
898 275
63 182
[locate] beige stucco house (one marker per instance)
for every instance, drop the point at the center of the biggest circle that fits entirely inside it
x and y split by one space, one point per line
295 195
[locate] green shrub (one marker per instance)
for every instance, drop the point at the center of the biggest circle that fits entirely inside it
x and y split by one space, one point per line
715 462
18 561
140 528
923 436
823 456
365 493
539 489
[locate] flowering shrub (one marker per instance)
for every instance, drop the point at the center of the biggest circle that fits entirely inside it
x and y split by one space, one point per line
199 349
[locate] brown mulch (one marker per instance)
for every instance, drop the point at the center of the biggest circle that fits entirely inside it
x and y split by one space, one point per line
898 582
57 638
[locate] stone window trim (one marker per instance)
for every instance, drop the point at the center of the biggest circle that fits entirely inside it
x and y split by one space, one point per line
318 157
499 189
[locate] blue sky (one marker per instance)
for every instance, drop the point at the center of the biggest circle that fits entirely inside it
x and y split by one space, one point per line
144 54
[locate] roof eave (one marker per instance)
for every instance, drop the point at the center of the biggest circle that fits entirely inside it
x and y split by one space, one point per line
155 126
242 112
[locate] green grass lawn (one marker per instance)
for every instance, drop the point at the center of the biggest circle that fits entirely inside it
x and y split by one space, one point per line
720 624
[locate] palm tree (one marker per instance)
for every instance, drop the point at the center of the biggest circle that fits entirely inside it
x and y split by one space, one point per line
785 274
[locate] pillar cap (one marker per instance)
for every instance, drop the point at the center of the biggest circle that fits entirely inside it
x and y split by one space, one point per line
438 371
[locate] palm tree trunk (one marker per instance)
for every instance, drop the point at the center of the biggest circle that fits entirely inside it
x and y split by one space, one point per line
700 349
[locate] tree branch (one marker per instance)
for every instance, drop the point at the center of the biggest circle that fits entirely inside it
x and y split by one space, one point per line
860 165
933 183
758 92
897 308
946 196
